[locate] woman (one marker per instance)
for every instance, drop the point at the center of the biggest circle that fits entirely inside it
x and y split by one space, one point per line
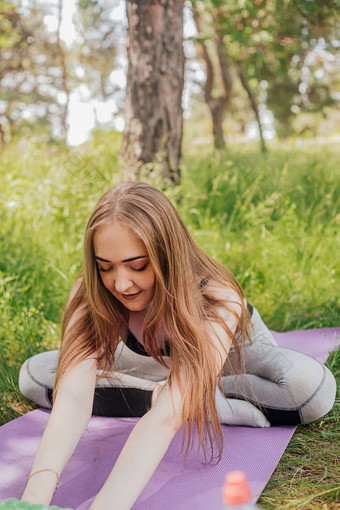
156 328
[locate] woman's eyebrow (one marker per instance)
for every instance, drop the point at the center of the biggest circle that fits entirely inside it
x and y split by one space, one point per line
126 260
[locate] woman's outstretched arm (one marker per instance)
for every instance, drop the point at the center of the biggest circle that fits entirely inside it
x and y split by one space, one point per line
69 417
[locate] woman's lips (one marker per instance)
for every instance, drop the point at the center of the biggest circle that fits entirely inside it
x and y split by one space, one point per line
129 297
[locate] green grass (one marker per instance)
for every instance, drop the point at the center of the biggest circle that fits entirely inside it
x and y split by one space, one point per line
271 219
308 475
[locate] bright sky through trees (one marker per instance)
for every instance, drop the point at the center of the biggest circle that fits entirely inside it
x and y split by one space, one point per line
84 112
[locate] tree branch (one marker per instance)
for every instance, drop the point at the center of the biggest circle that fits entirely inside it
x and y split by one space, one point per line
209 83
225 72
252 99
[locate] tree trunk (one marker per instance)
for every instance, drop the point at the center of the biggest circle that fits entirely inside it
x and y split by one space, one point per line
217 105
217 109
253 102
155 78
63 70
2 137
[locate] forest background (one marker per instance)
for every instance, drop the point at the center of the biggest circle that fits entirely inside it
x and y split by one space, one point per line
236 119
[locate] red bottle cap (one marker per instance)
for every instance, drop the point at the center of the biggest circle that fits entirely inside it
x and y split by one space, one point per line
236 490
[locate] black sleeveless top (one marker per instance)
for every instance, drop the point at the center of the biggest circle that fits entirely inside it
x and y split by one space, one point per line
132 343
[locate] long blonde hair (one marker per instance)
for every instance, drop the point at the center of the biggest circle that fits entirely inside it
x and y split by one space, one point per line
179 305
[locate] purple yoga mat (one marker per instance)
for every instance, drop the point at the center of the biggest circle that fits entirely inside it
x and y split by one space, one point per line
174 486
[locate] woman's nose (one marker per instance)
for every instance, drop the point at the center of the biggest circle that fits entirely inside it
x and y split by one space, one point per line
122 283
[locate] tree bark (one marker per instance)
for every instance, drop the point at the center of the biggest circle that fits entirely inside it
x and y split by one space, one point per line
155 78
253 102
61 54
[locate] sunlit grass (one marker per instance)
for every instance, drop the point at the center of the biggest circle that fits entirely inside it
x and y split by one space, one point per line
272 220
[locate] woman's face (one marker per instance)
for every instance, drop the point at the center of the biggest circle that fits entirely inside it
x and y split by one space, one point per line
124 266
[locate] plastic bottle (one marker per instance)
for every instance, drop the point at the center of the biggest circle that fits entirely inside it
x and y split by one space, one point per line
236 492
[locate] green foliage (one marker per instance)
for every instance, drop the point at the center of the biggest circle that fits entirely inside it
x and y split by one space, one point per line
271 219
96 48
287 49
30 74
9 36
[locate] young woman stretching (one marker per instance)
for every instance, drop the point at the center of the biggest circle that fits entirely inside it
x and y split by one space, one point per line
155 328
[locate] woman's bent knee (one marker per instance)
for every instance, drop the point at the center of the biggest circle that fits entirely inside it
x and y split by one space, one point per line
310 384
321 401
37 376
286 383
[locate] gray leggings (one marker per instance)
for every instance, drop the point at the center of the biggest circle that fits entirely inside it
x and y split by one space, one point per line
287 386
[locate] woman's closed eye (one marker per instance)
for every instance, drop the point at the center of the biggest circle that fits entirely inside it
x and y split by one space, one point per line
139 269
102 270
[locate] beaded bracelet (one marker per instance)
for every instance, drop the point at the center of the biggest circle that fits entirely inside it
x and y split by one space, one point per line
40 471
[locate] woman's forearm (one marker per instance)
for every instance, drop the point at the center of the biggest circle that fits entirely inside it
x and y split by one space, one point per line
64 429
69 417
142 452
